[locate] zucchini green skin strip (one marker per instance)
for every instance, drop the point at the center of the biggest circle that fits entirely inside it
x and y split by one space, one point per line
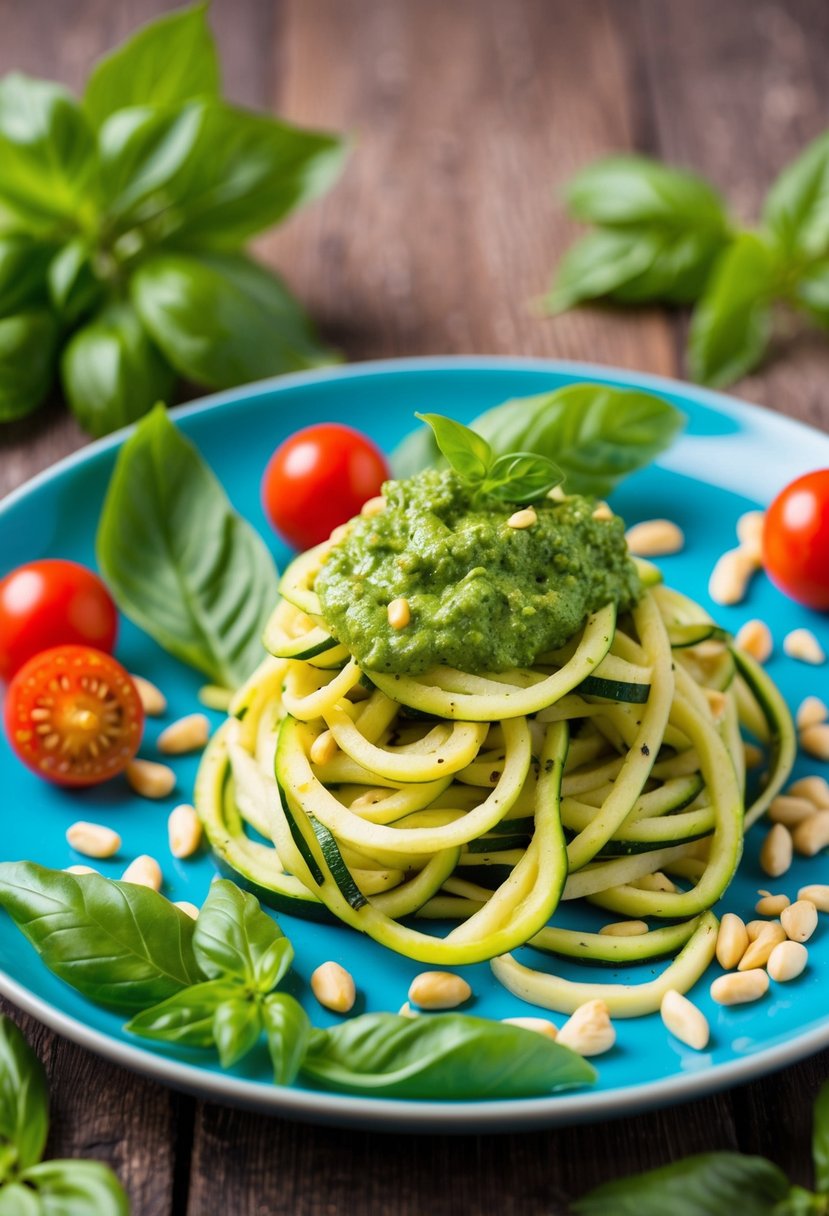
781 731
623 1000
298 578
425 693
605 948
460 749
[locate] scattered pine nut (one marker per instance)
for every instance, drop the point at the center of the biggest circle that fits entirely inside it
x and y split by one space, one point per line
151 698
144 871
187 734
803 645
149 779
602 512
684 1020
815 740
334 987
589 1031
787 961
771 905
752 755
732 941
80 870
213 696
525 518
816 789
373 506
750 534
789 810
191 910
655 538
812 835
730 577
184 831
399 613
810 711
754 639
776 852
758 952
740 987
93 839
439 990
624 928
816 893
799 920
323 749
538 1025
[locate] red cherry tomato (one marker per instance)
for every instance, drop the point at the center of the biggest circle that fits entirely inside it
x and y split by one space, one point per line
796 540
49 603
73 715
319 478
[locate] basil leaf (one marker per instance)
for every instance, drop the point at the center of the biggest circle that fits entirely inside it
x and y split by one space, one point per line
234 937
112 372
76 1188
446 1056
595 433
621 190
47 153
222 320
521 477
468 454
416 451
732 322
18 1200
23 265
600 264
24 1102
118 944
179 561
74 288
170 60
289 1032
796 209
28 345
186 1017
710 1184
800 1202
237 1026
812 291
820 1140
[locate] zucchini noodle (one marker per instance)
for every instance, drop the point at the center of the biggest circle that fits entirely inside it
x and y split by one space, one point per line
612 771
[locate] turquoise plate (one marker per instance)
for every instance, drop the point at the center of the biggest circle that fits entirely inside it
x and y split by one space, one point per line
731 458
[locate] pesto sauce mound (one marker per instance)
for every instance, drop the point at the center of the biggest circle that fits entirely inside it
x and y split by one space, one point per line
483 596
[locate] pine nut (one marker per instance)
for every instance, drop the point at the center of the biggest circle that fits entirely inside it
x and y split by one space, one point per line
439 990
754 928
799 920
152 699
80 870
758 952
589 1031
815 740
399 613
684 1020
323 749
750 534
373 506
816 789
187 908
732 941
144 871
754 639
188 734
538 1025
656 882
717 702
339 533
771 905
525 518
740 987
624 928
149 779
184 830
655 538
803 645
93 839
776 852
333 987
818 894
602 512
752 755
810 711
791 811
730 577
812 835
787 961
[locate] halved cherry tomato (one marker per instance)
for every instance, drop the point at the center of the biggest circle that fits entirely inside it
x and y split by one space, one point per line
49 603
796 540
319 478
73 715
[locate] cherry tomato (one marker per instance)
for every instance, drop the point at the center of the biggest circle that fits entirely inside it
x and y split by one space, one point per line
319 478
50 602
796 540
73 715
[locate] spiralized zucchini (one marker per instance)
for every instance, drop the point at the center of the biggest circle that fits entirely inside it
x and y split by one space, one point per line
612 771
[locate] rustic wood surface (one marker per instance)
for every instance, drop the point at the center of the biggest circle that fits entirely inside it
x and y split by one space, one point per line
468 116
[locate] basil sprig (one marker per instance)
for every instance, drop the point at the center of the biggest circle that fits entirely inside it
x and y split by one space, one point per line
514 477
28 1185
663 235
123 220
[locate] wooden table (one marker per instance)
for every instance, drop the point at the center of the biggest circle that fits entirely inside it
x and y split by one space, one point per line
468 115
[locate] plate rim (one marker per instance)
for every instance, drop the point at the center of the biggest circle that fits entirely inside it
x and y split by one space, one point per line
390 1114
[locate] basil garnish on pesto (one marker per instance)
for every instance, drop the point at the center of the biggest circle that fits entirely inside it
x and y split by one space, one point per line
483 596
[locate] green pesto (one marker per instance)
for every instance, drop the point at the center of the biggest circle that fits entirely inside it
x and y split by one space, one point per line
483 596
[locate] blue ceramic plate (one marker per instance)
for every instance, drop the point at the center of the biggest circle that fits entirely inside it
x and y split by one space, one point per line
731 458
